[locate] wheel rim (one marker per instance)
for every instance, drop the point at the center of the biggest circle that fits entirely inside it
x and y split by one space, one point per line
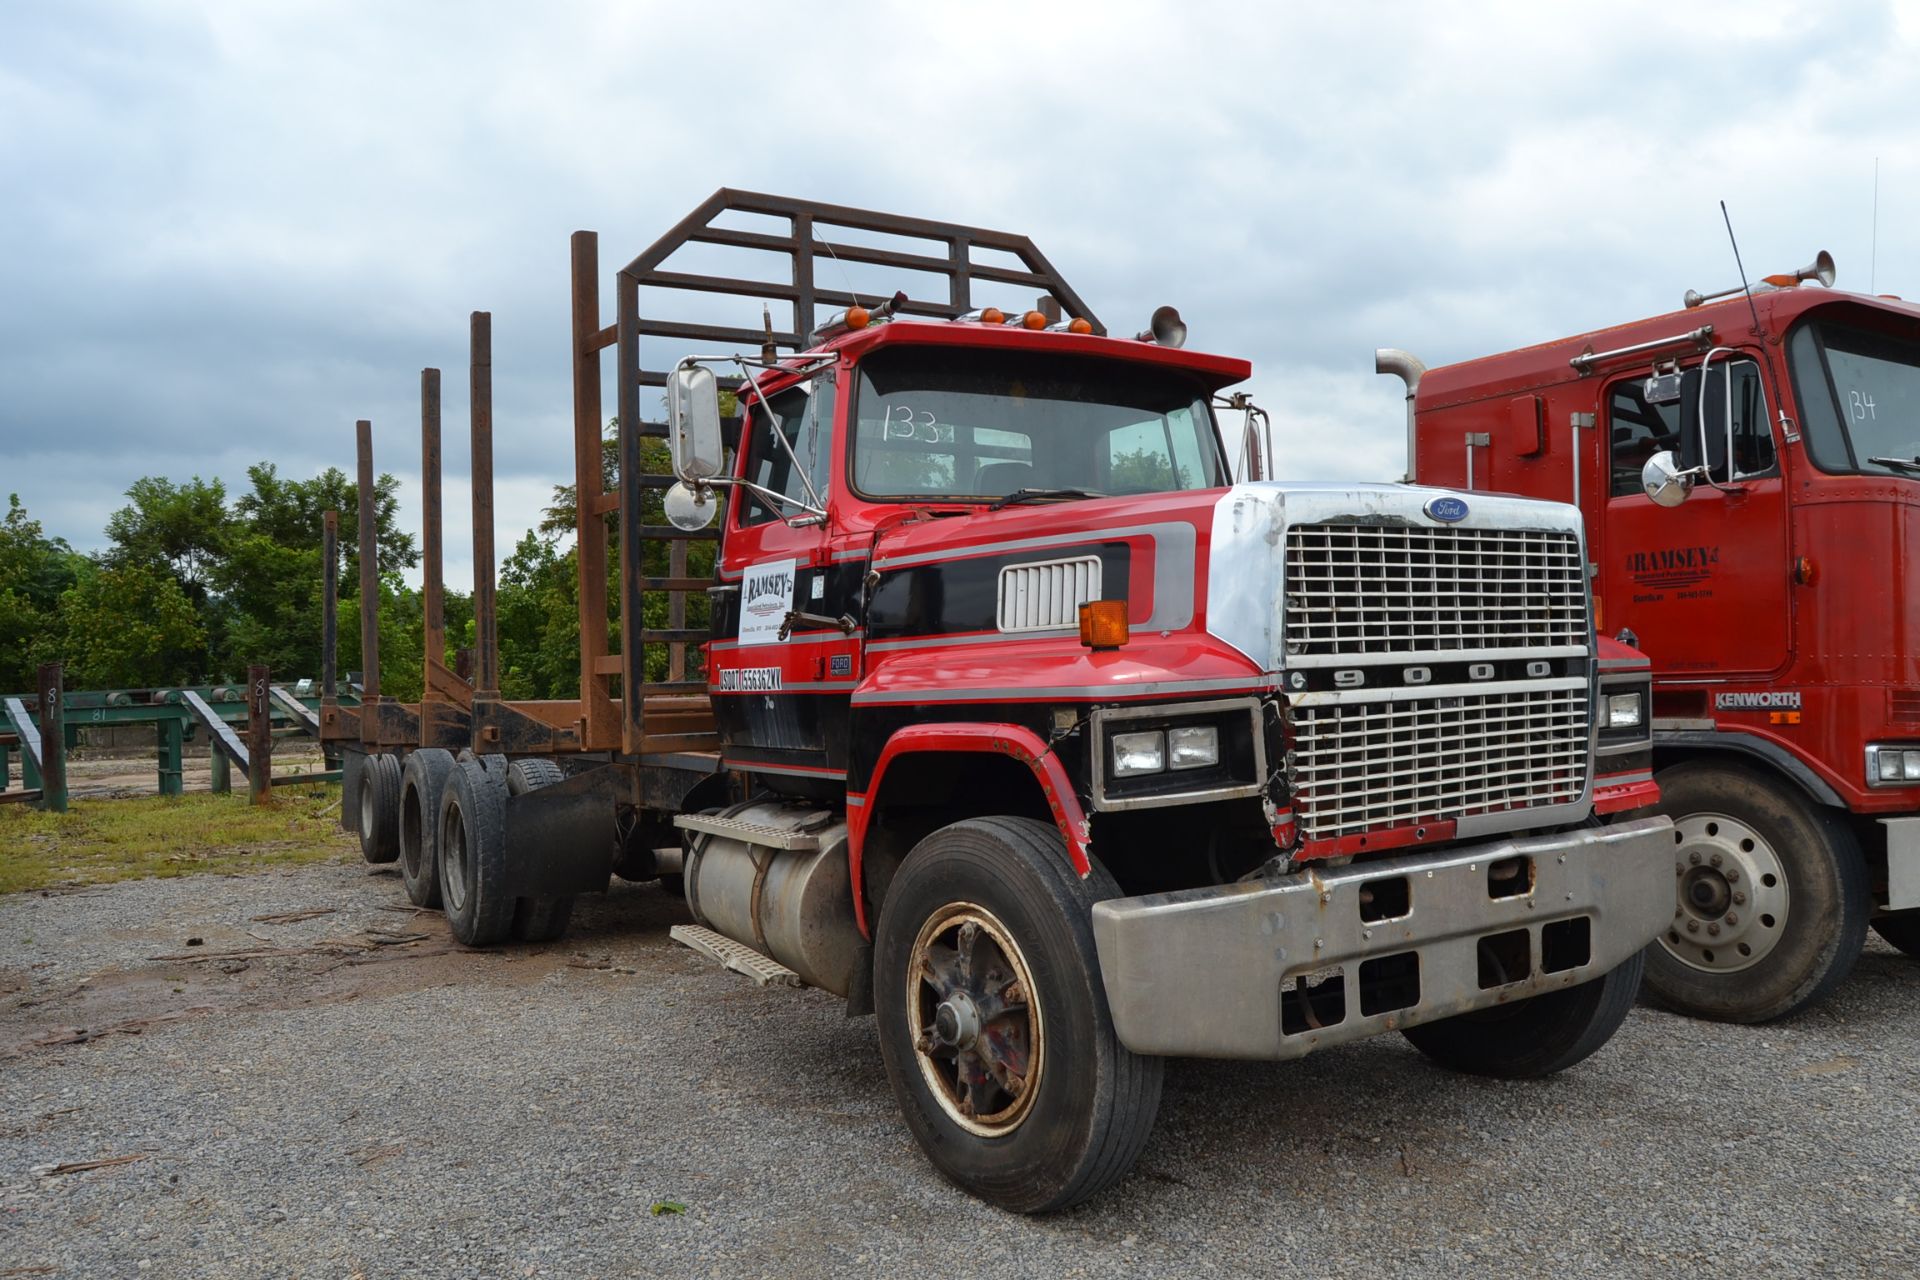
974 1018
366 809
1731 895
453 852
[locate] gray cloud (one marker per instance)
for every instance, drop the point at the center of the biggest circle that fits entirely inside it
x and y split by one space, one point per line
232 229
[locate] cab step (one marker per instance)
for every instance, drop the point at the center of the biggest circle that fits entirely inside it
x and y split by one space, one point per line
751 832
740 959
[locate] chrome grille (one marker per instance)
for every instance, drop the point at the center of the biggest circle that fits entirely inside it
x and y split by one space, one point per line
1357 589
1046 596
1362 765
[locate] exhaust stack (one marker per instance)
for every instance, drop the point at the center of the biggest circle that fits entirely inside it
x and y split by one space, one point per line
1409 369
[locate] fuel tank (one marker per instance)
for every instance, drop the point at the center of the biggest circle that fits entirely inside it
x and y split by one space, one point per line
791 904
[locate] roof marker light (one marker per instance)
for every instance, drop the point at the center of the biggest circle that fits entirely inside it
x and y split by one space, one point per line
1034 320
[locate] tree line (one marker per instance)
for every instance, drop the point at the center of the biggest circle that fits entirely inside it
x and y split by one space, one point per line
194 585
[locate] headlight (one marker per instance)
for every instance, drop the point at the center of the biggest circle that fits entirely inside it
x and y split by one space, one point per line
1892 766
1138 753
1195 747
1625 710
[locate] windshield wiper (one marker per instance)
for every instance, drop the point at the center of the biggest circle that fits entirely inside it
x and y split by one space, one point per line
1041 495
1905 464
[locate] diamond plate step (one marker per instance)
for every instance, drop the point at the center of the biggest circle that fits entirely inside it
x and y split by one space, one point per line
751 832
740 959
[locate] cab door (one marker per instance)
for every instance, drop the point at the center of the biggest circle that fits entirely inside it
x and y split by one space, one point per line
1704 585
779 666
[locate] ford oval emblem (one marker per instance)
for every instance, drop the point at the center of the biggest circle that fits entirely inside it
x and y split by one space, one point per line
1447 510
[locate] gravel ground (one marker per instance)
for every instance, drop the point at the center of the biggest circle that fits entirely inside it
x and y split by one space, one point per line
371 1107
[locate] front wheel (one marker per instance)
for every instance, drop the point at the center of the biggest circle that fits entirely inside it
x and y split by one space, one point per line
1535 1037
993 1020
1771 900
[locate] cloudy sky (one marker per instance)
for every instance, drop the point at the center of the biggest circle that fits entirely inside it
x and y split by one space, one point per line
229 229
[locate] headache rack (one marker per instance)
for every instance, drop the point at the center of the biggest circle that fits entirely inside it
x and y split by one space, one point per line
806 241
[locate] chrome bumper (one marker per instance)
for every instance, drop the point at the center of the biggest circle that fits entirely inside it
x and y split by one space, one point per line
1218 972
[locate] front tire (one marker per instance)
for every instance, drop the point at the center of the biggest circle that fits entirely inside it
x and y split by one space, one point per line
993 1020
1535 1037
1772 897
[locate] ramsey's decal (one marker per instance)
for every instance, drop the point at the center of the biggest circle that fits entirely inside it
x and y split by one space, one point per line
766 598
1768 700
1671 568
750 680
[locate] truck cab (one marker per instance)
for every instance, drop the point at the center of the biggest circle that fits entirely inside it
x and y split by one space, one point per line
1296 763
1749 469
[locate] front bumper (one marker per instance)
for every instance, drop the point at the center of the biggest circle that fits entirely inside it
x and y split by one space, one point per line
1278 968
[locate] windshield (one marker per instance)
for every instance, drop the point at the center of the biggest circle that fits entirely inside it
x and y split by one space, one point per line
943 422
1860 398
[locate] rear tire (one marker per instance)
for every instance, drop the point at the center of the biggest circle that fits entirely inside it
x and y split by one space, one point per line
1535 1037
380 809
1771 900
1901 931
473 855
1005 1063
537 919
421 783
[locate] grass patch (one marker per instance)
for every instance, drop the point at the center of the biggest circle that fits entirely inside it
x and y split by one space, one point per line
100 841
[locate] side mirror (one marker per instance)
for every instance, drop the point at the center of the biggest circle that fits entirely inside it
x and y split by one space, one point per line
688 508
1664 481
693 424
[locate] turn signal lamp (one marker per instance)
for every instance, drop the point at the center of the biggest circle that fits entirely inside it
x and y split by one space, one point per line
1103 624
1034 320
1079 324
993 315
857 317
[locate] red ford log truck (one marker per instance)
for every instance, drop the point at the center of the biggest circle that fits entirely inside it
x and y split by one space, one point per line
1031 732
1749 470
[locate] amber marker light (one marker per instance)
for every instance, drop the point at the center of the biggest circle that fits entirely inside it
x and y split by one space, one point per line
1034 320
1103 624
857 317
993 315
1080 324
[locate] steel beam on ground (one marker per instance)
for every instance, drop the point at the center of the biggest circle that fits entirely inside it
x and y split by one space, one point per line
225 742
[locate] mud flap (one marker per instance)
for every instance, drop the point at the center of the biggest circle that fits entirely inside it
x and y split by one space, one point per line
561 840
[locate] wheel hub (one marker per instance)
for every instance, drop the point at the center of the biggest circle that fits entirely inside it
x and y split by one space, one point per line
974 1020
1731 901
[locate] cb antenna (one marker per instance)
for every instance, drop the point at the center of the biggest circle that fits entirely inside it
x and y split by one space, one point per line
1743 270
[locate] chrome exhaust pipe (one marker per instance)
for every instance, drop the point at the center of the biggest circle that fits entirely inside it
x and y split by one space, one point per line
1409 369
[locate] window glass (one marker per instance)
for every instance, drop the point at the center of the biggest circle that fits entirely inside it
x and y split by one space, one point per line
1639 427
804 415
1866 392
972 423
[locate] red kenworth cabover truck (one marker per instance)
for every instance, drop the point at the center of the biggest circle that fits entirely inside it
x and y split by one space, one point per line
1037 736
1749 469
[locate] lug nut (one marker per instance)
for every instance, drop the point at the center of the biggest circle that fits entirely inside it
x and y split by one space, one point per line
1733 918
1693 926
1716 859
1740 898
1679 868
1694 858
1714 929
1732 875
